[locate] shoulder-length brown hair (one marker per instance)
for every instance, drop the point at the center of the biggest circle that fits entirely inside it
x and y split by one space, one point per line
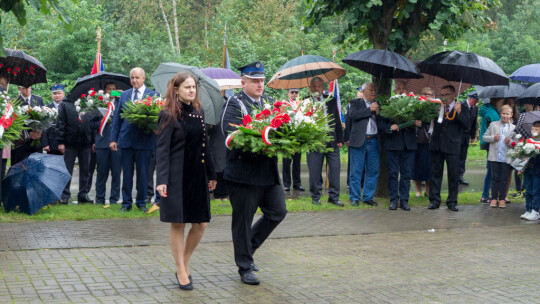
173 104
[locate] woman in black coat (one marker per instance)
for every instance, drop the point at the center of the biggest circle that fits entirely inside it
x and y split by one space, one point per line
184 171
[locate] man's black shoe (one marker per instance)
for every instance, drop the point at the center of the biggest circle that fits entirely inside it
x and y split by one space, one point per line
254 267
143 209
84 200
286 188
355 203
249 278
300 188
64 201
125 208
453 207
371 203
337 203
316 202
461 181
393 206
405 206
433 206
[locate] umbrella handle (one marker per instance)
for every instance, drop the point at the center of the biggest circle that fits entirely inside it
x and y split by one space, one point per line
24 167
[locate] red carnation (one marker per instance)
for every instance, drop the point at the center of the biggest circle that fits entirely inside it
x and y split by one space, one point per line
247 119
278 104
410 95
309 112
513 144
275 110
276 123
26 71
8 69
285 118
266 112
83 95
6 123
100 97
93 93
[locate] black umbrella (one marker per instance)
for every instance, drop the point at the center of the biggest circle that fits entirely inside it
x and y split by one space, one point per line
531 95
383 64
528 119
464 67
511 91
97 82
22 69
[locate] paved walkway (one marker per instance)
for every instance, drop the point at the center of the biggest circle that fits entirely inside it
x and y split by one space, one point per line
477 255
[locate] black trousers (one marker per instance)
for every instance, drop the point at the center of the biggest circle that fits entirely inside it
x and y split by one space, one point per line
437 168
221 190
91 170
499 180
296 182
315 166
247 238
83 154
463 155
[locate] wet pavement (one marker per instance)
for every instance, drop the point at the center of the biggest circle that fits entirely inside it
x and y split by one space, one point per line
476 255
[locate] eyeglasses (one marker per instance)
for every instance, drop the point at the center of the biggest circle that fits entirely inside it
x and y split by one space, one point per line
293 92
444 95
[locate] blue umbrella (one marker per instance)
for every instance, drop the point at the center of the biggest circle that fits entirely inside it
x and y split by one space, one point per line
34 182
528 73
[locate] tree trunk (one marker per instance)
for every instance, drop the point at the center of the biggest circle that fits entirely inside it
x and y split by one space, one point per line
176 28
167 25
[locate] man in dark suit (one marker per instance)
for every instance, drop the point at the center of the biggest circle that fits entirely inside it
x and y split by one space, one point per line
295 160
315 159
48 140
135 144
445 145
107 159
253 179
364 149
27 98
468 134
400 146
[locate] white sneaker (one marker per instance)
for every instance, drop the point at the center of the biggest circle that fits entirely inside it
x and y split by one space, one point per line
525 215
533 216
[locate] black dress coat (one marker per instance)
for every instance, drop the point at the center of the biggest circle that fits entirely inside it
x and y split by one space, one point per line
447 135
404 139
48 138
34 101
356 122
183 164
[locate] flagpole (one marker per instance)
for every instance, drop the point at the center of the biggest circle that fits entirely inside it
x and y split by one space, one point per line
98 39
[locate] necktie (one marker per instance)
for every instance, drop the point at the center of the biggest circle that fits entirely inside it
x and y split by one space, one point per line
447 109
136 95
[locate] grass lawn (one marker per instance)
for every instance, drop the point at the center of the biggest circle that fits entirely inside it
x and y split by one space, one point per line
301 204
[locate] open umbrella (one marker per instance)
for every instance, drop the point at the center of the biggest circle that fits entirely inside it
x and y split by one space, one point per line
433 82
207 88
97 82
464 67
528 119
34 182
383 64
225 78
511 91
298 72
531 95
22 69
528 73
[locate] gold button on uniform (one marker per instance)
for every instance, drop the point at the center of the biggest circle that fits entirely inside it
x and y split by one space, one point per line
202 161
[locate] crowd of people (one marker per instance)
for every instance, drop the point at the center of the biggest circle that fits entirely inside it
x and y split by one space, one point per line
190 159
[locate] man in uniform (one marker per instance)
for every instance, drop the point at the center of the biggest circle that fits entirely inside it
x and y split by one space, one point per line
50 144
253 178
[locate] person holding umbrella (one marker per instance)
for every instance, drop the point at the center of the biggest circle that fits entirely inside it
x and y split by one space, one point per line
445 146
253 179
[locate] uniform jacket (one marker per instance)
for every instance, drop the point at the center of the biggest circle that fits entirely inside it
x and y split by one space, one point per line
447 136
102 142
126 134
244 167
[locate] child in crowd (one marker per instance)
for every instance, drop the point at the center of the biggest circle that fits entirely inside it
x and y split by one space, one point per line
531 182
499 134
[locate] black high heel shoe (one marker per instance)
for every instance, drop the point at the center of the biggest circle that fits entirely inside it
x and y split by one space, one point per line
188 286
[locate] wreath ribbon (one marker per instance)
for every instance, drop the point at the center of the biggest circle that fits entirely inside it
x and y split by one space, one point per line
110 109
265 133
4 117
